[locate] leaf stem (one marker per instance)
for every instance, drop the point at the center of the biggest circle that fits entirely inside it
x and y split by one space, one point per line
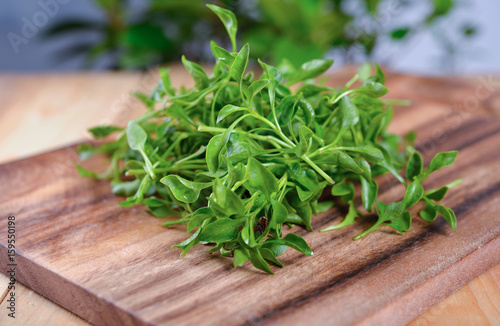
371 229
318 169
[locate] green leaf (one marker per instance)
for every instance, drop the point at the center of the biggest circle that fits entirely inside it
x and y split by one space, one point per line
304 195
86 173
448 215
438 194
365 71
227 199
415 166
136 136
259 262
269 256
372 89
348 220
431 209
86 151
379 75
279 215
399 33
307 109
103 131
227 110
259 178
306 140
350 116
343 189
310 70
392 212
221 230
248 236
214 147
240 257
298 243
191 241
274 77
184 190
240 63
429 213
372 154
165 82
413 194
125 188
178 112
308 90
277 247
198 217
145 99
221 54
159 207
196 71
286 110
369 192
305 214
256 87
336 157
441 160
402 223
217 144
229 21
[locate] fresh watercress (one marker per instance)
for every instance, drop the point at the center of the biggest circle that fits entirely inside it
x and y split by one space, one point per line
237 157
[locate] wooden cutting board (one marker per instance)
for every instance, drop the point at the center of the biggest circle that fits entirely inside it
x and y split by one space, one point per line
115 266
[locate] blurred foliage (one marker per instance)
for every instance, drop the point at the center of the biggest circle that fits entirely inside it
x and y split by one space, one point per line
299 30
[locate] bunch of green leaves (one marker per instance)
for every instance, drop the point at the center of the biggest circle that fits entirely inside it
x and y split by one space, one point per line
237 156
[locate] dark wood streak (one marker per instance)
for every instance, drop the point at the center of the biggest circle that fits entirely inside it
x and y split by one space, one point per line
478 139
452 133
473 201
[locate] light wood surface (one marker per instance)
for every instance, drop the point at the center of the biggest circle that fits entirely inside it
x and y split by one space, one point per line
47 111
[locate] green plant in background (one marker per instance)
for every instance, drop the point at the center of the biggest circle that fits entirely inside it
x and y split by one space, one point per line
128 39
237 157
296 30
302 30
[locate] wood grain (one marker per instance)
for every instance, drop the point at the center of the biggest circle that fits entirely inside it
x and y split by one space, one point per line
476 128
475 304
33 309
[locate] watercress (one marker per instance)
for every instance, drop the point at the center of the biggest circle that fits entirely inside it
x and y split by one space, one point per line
237 156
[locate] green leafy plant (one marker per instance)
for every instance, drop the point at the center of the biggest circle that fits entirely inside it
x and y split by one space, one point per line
237 157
